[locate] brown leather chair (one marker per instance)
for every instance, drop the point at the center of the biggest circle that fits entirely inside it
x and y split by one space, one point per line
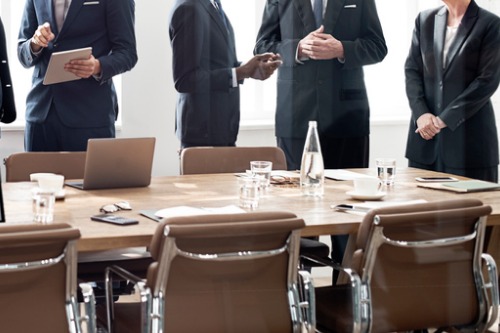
201 160
415 267
38 285
219 273
19 166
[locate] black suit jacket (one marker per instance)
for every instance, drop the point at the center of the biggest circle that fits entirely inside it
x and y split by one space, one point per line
208 107
7 103
460 93
331 92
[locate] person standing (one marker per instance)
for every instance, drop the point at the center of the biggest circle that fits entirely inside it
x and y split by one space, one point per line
63 116
207 73
7 103
324 45
452 70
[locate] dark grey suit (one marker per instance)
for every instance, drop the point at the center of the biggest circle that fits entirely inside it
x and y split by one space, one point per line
208 107
7 103
331 92
459 94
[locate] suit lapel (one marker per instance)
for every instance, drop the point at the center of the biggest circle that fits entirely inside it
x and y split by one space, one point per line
304 9
215 16
439 34
470 17
332 13
73 10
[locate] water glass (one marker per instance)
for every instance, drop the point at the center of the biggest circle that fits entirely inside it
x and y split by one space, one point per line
262 170
43 205
249 192
386 170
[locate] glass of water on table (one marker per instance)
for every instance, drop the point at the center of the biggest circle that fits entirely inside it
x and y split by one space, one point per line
386 170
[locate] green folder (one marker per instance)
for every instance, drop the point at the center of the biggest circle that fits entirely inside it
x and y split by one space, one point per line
471 186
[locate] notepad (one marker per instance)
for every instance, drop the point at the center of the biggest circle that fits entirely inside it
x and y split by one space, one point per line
463 186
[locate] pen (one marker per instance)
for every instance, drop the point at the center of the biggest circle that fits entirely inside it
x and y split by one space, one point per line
345 207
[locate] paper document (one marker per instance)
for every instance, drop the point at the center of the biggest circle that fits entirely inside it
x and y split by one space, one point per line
192 211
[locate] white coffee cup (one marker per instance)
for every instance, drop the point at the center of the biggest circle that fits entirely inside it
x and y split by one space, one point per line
51 182
367 185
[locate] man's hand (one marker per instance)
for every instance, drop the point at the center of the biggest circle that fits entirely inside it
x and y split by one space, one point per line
42 36
84 68
260 67
428 126
320 46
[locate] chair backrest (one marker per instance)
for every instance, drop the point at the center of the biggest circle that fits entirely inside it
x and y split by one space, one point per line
201 160
19 166
422 265
227 273
38 278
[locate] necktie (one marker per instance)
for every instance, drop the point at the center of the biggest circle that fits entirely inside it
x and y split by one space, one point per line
218 5
318 12
59 11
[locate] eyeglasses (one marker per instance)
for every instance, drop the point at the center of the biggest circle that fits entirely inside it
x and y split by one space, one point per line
122 205
284 181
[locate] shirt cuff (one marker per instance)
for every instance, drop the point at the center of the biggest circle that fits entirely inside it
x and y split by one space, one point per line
33 52
234 80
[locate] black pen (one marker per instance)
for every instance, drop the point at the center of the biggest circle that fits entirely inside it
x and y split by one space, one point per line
345 207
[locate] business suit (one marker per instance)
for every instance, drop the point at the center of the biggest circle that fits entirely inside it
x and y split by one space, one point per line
7 102
332 92
208 106
458 94
105 25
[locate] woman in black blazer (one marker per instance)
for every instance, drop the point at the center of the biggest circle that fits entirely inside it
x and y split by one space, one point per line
7 104
452 71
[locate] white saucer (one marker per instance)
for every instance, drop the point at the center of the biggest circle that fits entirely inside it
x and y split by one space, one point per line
360 196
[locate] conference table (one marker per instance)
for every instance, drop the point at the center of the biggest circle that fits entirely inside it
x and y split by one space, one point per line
215 191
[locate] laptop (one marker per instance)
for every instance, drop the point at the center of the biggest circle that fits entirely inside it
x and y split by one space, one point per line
117 163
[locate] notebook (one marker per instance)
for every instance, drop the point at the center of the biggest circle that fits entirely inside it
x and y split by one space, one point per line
117 163
463 186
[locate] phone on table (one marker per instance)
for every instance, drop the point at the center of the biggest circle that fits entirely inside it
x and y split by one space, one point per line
114 219
436 179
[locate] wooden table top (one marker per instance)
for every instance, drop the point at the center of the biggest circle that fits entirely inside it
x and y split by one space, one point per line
216 190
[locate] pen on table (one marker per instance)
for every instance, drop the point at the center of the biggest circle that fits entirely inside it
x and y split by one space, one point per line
345 207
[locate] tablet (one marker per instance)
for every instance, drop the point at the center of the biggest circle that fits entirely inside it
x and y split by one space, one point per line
55 71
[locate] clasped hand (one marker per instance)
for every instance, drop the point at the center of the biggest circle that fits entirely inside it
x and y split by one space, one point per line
83 68
320 46
428 126
260 67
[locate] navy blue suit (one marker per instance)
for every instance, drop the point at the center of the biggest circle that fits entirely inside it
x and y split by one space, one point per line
105 25
208 106
7 103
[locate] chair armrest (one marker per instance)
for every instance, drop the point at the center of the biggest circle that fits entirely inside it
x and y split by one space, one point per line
124 274
492 285
89 316
307 302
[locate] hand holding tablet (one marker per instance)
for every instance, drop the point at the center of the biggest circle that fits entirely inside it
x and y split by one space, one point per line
56 72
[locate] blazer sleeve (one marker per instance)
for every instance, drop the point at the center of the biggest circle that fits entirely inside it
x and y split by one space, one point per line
196 66
120 18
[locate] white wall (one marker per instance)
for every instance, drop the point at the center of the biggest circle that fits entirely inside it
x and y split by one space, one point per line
149 101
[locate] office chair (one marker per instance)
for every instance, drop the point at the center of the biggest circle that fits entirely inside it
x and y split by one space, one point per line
204 160
19 166
219 273
38 284
415 267
201 160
